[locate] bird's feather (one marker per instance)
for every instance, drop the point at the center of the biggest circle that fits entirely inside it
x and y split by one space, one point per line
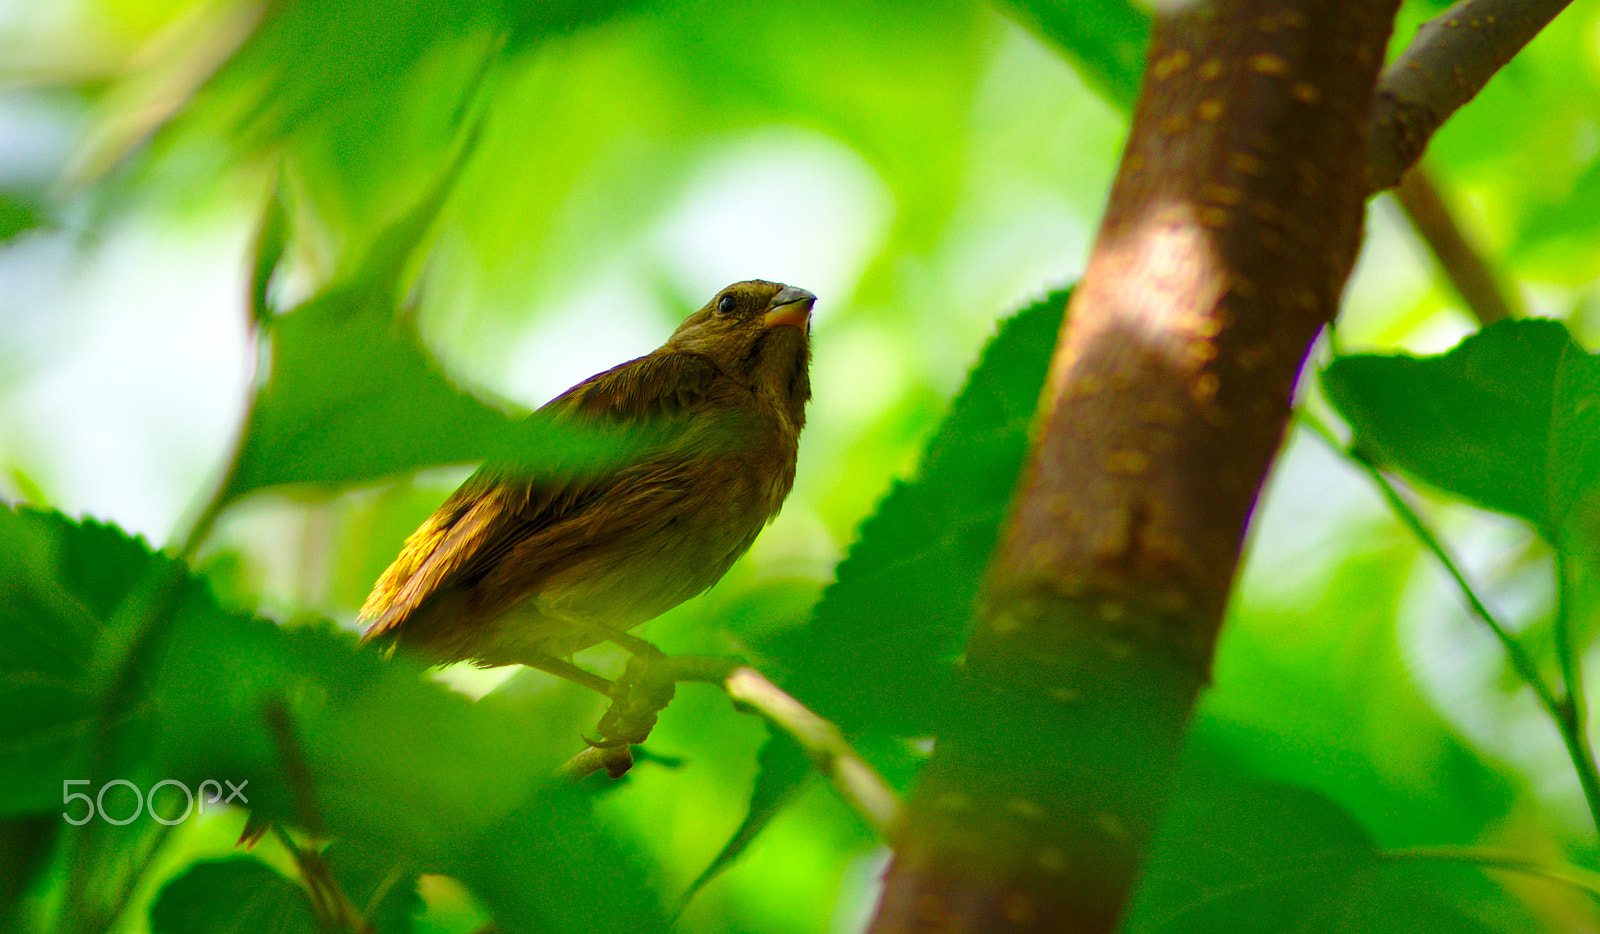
644 406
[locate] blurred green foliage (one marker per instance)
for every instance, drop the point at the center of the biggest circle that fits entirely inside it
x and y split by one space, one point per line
308 729
433 172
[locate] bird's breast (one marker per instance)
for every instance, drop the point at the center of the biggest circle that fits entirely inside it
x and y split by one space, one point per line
703 513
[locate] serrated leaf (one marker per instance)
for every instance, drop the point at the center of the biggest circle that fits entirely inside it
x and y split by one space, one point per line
1508 419
314 731
238 895
783 770
61 586
1247 857
351 394
876 656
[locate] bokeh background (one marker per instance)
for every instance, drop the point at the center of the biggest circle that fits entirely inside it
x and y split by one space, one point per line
923 168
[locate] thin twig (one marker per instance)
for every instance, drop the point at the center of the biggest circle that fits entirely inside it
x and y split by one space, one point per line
1520 660
1459 258
614 760
856 781
1410 519
1571 675
1558 708
1575 706
328 899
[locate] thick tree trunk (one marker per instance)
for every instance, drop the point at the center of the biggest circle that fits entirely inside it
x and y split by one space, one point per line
1232 226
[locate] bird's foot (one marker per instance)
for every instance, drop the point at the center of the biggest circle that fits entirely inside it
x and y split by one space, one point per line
644 689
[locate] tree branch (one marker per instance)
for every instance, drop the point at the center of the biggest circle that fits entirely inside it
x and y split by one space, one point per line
1232 226
1461 261
858 784
1452 57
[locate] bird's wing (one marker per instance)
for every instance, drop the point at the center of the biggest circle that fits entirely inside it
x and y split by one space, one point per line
647 400
642 391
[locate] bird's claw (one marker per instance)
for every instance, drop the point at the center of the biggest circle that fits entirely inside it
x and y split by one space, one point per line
643 690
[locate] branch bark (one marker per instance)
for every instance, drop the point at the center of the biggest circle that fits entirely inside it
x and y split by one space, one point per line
1452 57
1233 223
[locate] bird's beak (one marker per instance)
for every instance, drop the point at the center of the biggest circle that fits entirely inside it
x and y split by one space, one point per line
791 306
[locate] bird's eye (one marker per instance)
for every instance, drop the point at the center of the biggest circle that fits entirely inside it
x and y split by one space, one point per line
725 305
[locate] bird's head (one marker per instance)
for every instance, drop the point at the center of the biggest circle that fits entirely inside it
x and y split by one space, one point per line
758 332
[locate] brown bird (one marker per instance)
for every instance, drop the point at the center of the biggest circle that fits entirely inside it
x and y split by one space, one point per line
526 565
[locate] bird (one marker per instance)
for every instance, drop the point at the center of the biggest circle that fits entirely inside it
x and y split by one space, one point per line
532 558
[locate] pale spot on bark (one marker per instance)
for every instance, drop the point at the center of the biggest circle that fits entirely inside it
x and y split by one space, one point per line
1025 809
1246 163
1169 65
1111 825
1051 860
1019 909
1172 601
1266 63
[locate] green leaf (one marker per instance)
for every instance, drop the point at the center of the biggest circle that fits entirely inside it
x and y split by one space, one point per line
549 866
384 893
1238 855
43 723
61 585
314 731
784 770
238 895
1246 857
351 394
17 216
1105 39
1509 419
876 657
